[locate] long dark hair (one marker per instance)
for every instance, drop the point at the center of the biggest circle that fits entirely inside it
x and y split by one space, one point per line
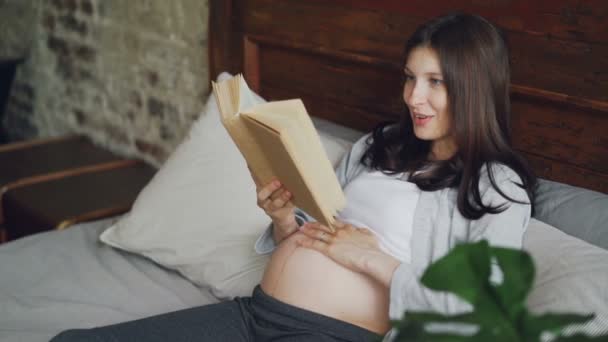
474 61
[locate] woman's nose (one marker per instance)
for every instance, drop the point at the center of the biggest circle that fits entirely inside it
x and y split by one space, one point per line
414 95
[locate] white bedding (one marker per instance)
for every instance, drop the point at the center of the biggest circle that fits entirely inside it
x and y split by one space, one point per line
67 279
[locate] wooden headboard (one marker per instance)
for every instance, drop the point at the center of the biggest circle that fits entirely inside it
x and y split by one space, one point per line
344 59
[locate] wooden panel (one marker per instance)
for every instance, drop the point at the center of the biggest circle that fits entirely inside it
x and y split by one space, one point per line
540 58
343 58
574 68
574 137
333 80
341 29
336 92
225 40
566 173
353 117
563 19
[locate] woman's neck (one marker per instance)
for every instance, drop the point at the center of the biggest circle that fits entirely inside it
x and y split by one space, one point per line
442 149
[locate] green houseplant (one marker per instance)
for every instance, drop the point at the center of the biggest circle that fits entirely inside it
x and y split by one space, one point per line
499 310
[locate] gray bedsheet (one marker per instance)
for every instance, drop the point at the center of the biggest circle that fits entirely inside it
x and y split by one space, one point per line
68 279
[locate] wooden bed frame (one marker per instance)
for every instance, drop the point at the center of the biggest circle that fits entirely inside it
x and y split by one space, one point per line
344 59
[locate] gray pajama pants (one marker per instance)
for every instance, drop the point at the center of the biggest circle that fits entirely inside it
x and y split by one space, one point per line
256 318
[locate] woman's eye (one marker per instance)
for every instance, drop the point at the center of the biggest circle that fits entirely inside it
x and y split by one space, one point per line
436 81
408 77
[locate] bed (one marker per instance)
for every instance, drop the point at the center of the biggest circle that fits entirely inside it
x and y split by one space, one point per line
183 246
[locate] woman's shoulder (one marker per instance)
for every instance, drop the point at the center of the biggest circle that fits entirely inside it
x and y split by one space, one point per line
368 138
503 177
499 172
352 163
360 146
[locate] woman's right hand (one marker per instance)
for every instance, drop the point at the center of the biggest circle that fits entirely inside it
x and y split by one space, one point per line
275 200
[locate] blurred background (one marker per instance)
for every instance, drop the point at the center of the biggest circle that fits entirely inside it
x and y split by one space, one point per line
131 75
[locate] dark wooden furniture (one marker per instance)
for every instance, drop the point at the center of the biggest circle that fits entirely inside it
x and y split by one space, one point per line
53 183
60 203
344 59
29 162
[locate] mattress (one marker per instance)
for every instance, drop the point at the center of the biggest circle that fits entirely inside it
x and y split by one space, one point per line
58 280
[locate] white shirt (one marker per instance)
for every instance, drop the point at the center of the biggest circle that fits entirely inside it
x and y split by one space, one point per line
384 204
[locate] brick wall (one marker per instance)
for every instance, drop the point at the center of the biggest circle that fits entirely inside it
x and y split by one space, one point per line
132 75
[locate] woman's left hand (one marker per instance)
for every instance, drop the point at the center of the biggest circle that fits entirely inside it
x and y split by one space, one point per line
354 248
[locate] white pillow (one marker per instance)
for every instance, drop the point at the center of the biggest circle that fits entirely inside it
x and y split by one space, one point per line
571 276
198 215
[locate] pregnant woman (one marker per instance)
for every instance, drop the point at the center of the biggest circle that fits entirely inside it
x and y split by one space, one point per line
446 173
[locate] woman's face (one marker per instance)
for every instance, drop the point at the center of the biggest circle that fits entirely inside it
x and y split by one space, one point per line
426 96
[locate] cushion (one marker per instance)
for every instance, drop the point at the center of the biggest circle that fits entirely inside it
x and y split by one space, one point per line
198 215
576 211
571 275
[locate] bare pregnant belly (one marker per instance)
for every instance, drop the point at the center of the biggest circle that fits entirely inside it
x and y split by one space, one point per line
309 280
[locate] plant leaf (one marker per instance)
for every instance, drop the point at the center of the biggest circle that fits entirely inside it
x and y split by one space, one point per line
463 271
428 317
581 337
518 275
494 335
499 311
408 330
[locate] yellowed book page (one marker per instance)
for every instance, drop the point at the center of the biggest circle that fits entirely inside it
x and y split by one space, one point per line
283 165
278 139
228 96
290 116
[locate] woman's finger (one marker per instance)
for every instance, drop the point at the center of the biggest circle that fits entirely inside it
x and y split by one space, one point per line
317 232
339 224
278 203
282 194
277 193
317 225
312 243
267 190
325 237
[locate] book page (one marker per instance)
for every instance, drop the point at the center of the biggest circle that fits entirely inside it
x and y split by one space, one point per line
228 95
304 145
278 140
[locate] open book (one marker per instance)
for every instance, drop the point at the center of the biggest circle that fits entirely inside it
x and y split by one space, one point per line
278 140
